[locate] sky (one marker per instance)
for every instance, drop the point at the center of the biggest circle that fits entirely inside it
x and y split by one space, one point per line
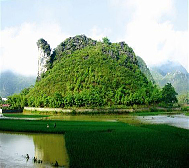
157 30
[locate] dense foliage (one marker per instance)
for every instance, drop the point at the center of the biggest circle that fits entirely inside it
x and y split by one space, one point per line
169 94
184 98
144 69
1 101
18 101
87 73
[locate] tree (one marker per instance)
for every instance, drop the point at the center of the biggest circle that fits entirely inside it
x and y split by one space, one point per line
25 91
106 40
1 100
169 95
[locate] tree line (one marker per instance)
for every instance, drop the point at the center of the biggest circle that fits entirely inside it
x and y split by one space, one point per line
166 97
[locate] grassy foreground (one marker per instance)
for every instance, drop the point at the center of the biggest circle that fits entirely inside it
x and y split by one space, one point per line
114 144
21 115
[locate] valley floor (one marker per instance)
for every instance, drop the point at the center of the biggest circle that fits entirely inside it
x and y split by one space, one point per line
113 144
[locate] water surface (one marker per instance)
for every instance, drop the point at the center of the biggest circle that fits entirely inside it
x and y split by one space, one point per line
46 147
179 120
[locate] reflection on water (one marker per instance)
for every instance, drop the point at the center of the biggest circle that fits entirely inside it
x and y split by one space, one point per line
130 119
47 147
51 148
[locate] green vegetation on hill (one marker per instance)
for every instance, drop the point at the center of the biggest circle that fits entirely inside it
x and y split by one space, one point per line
85 73
144 69
89 73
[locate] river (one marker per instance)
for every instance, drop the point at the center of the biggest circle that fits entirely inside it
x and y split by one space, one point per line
179 120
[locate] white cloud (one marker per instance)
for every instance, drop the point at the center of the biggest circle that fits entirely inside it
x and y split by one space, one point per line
18 46
97 33
151 34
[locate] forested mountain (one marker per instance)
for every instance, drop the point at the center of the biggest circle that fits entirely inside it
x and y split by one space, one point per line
11 83
173 73
84 72
144 69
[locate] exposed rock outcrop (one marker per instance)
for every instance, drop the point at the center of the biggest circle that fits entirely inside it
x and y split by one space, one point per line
44 53
70 45
78 42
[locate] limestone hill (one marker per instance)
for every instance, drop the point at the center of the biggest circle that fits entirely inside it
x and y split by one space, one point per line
84 72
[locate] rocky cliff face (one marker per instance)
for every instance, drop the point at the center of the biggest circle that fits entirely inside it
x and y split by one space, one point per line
43 58
44 52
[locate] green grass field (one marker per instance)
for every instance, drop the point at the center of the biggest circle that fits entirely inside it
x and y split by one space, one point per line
20 115
156 113
114 144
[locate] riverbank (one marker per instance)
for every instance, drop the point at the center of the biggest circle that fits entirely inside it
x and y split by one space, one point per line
113 144
100 110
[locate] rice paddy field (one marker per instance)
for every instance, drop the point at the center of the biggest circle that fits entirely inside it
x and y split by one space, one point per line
113 144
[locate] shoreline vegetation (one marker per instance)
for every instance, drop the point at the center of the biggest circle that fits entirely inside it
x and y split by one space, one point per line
113 144
32 112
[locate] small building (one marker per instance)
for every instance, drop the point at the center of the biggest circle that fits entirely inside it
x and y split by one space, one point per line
4 99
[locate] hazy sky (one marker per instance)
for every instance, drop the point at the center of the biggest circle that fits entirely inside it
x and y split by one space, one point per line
157 30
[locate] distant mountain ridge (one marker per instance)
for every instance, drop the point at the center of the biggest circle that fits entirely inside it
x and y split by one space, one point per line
171 72
171 67
11 83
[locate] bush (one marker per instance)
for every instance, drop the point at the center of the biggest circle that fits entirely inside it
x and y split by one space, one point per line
73 112
153 109
184 109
